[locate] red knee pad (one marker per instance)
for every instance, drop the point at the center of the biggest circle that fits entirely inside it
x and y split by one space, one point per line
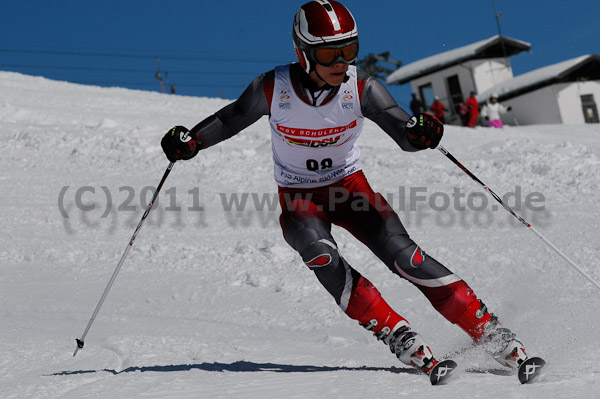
367 306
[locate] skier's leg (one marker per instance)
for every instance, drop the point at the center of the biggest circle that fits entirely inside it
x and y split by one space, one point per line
381 230
379 227
308 232
353 293
457 302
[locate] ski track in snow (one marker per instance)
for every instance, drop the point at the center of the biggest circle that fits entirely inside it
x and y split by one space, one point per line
215 304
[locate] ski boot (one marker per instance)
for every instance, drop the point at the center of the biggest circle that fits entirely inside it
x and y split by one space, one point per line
500 342
410 348
509 351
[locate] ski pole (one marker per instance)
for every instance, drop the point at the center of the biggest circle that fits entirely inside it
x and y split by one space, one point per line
80 341
509 209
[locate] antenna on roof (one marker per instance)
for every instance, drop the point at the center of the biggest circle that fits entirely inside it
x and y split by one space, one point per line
498 15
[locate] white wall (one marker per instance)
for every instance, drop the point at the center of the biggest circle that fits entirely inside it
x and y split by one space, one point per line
569 100
490 72
536 107
558 103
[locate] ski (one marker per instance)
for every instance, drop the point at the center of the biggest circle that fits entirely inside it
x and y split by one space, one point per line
530 369
442 371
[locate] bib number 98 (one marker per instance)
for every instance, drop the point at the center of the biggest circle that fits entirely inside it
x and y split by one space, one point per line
314 165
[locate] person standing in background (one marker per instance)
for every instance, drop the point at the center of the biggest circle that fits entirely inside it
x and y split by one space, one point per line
492 110
416 106
438 109
464 114
473 110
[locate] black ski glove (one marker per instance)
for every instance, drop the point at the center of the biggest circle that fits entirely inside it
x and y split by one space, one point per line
177 144
424 131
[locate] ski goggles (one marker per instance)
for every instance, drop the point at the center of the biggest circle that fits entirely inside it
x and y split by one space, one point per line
328 56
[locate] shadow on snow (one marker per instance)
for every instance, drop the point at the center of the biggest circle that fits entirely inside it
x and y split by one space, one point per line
243 366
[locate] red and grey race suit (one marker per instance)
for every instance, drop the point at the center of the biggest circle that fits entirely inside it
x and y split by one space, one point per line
317 167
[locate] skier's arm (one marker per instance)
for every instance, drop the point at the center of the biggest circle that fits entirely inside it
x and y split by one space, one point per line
235 117
378 105
223 124
411 134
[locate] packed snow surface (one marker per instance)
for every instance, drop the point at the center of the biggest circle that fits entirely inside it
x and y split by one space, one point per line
212 303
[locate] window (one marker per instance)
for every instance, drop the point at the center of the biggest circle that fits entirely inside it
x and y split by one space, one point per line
426 92
590 111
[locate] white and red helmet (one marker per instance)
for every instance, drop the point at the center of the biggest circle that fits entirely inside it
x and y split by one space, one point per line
324 24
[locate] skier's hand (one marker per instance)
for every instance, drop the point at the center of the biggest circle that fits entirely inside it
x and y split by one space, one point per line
424 131
177 144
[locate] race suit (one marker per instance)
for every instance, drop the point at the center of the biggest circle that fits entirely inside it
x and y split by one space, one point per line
319 173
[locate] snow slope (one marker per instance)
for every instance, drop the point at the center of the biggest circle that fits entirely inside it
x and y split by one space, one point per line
213 303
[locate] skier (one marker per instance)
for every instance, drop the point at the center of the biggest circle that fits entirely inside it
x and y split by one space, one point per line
492 110
316 109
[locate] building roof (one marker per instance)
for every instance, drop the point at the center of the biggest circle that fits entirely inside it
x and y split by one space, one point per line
585 67
488 48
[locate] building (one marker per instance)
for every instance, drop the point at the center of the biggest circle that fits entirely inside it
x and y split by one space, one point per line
566 92
452 75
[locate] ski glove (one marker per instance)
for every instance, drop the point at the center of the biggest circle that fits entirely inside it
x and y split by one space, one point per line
179 144
424 131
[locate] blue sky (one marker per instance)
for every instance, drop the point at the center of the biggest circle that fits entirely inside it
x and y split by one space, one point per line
211 48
